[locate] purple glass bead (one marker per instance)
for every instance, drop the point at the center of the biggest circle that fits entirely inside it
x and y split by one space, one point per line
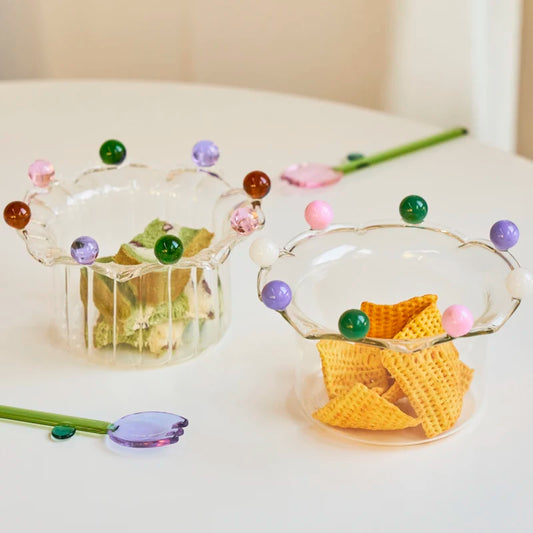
150 429
276 295
244 220
205 153
504 234
84 250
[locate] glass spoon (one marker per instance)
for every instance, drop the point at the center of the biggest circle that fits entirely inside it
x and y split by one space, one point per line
314 175
148 429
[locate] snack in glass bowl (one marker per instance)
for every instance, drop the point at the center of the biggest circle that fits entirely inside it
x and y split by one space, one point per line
382 360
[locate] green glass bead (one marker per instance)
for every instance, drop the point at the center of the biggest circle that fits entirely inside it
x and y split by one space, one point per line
168 249
413 209
354 324
354 156
62 432
112 152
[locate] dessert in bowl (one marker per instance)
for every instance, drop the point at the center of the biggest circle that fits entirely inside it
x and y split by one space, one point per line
140 255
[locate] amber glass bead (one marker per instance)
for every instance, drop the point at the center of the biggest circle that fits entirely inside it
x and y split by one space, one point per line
256 184
17 214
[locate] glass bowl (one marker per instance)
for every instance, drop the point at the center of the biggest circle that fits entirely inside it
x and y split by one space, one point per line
332 270
127 308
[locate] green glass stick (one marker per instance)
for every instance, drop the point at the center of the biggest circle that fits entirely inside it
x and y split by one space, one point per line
400 150
51 419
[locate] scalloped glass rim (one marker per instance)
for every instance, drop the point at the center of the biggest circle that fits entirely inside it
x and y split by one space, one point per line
209 257
312 330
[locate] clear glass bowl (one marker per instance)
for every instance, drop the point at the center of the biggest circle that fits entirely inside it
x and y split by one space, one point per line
139 312
336 269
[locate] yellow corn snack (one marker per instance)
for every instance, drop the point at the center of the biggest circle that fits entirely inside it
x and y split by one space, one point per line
364 383
394 393
363 408
387 320
431 380
434 380
344 364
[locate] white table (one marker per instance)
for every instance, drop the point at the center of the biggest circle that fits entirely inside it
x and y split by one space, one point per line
249 461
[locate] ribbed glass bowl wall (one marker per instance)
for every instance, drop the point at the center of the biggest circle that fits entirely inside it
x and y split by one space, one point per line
127 308
336 269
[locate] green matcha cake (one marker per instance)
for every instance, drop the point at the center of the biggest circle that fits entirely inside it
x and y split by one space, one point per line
142 303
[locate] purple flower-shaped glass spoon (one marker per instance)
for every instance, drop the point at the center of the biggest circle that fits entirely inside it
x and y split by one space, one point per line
149 429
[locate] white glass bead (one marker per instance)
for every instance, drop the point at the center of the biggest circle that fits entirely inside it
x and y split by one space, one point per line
264 252
519 283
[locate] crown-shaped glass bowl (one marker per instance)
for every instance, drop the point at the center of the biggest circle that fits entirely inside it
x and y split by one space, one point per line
409 383
127 307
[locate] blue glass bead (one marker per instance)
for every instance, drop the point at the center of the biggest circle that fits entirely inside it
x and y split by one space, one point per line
504 234
84 250
205 153
276 295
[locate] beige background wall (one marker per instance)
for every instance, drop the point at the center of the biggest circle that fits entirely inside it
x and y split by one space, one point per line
525 120
409 57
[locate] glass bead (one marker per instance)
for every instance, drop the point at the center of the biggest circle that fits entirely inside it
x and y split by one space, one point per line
62 432
112 152
311 175
41 173
17 214
457 320
319 215
84 250
168 249
150 429
354 324
504 234
205 153
256 184
244 220
276 295
519 283
413 209
264 252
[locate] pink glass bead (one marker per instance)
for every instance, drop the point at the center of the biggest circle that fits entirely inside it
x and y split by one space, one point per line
457 320
244 220
319 214
41 173
311 175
